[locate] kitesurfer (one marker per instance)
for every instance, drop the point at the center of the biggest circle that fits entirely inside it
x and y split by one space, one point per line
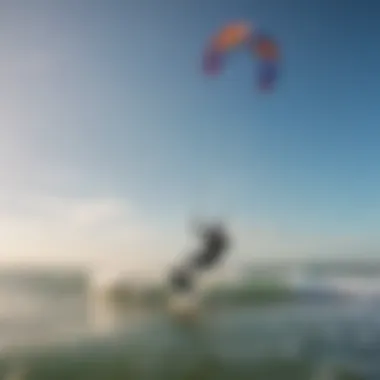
214 244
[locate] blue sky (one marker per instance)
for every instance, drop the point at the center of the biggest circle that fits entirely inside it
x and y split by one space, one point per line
106 100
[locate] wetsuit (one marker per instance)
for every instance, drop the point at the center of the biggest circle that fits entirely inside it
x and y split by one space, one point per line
215 244
181 280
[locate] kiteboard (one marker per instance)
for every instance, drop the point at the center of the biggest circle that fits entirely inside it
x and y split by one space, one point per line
184 307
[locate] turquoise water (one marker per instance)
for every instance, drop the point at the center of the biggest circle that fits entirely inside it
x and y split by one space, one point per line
62 334
272 343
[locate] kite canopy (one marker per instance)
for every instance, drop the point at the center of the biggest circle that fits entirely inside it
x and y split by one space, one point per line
226 39
267 51
241 34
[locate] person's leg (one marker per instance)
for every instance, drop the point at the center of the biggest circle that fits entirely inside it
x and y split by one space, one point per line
207 259
181 280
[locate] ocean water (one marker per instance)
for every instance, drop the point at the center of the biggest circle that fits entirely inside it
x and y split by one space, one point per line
50 328
37 306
